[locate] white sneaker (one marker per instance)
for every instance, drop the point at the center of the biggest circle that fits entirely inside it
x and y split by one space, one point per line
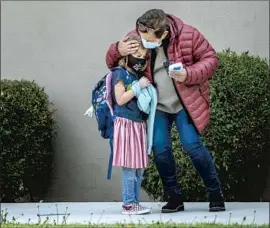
135 209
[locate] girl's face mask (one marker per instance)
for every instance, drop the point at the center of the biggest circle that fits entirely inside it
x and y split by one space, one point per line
135 63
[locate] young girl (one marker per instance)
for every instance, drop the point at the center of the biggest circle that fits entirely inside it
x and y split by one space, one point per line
130 139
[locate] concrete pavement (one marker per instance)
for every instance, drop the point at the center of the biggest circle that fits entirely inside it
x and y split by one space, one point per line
110 212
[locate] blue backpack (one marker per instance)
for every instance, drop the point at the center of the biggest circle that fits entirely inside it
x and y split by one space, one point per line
102 104
103 108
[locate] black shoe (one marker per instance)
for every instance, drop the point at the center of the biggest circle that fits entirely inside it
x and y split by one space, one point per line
175 203
217 202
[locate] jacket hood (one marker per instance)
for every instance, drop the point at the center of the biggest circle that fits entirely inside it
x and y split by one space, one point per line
176 25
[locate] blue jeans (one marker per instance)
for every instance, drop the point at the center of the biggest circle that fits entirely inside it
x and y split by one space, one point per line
192 145
131 185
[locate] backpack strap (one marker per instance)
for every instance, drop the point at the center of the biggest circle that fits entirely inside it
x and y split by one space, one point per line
109 171
108 98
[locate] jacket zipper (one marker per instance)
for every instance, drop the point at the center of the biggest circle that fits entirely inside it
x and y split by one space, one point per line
182 103
178 95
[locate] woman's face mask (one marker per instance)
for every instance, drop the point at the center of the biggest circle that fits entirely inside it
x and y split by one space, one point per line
135 63
150 41
150 45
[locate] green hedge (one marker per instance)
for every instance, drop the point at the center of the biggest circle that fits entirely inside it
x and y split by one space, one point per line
27 130
237 136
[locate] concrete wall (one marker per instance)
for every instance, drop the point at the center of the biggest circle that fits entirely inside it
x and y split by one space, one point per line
62 46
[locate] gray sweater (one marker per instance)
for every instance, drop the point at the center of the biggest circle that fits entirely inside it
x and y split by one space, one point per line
168 100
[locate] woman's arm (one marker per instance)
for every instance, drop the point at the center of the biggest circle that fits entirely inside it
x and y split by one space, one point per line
114 54
206 60
121 95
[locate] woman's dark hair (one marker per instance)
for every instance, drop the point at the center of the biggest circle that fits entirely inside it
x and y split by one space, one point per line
155 19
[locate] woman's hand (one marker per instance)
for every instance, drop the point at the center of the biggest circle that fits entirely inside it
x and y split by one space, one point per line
127 47
144 82
179 76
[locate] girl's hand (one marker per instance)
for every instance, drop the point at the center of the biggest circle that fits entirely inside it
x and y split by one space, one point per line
144 82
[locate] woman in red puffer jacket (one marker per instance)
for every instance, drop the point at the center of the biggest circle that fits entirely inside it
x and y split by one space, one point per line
183 97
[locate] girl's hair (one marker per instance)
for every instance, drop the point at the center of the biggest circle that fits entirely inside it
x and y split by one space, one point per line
123 61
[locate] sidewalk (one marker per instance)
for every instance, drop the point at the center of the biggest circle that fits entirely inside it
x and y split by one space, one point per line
250 213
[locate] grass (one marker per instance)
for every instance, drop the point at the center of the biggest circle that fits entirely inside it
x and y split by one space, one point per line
13 223
154 225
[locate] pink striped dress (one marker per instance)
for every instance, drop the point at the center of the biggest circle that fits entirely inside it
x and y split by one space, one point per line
129 144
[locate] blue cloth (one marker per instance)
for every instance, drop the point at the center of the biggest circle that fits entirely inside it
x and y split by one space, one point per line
147 102
192 145
129 110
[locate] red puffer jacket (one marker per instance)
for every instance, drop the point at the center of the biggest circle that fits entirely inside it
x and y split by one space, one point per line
186 45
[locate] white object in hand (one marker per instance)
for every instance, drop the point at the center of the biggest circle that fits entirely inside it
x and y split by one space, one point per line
176 67
89 111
